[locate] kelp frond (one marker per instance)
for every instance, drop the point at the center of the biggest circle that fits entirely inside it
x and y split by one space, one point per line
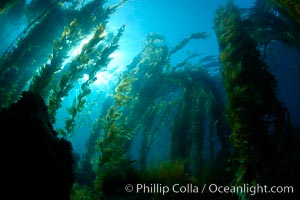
200 35
251 94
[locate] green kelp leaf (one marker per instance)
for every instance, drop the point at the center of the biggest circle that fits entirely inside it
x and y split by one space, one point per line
69 125
62 132
81 105
72 110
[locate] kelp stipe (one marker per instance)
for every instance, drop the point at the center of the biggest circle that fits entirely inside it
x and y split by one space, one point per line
116 134
94 56
75 72
254 112
18 57
40 82
101 62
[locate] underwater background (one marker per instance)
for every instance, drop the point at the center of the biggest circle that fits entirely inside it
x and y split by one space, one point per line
152 93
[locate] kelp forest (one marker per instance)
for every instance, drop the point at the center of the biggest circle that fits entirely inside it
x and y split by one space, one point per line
200 122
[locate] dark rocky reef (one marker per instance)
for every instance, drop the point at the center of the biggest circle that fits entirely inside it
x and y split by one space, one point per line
35 162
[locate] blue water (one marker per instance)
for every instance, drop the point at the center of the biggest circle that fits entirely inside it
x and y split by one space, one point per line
174 19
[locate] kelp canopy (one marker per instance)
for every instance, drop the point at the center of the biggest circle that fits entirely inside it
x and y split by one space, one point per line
157 121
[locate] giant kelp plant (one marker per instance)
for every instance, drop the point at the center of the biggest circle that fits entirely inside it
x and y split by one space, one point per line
29 50
55 79
258 120
156 100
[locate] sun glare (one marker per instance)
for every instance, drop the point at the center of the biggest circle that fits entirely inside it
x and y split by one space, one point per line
76 50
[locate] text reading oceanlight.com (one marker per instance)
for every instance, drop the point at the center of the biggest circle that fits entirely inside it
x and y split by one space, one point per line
157 188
